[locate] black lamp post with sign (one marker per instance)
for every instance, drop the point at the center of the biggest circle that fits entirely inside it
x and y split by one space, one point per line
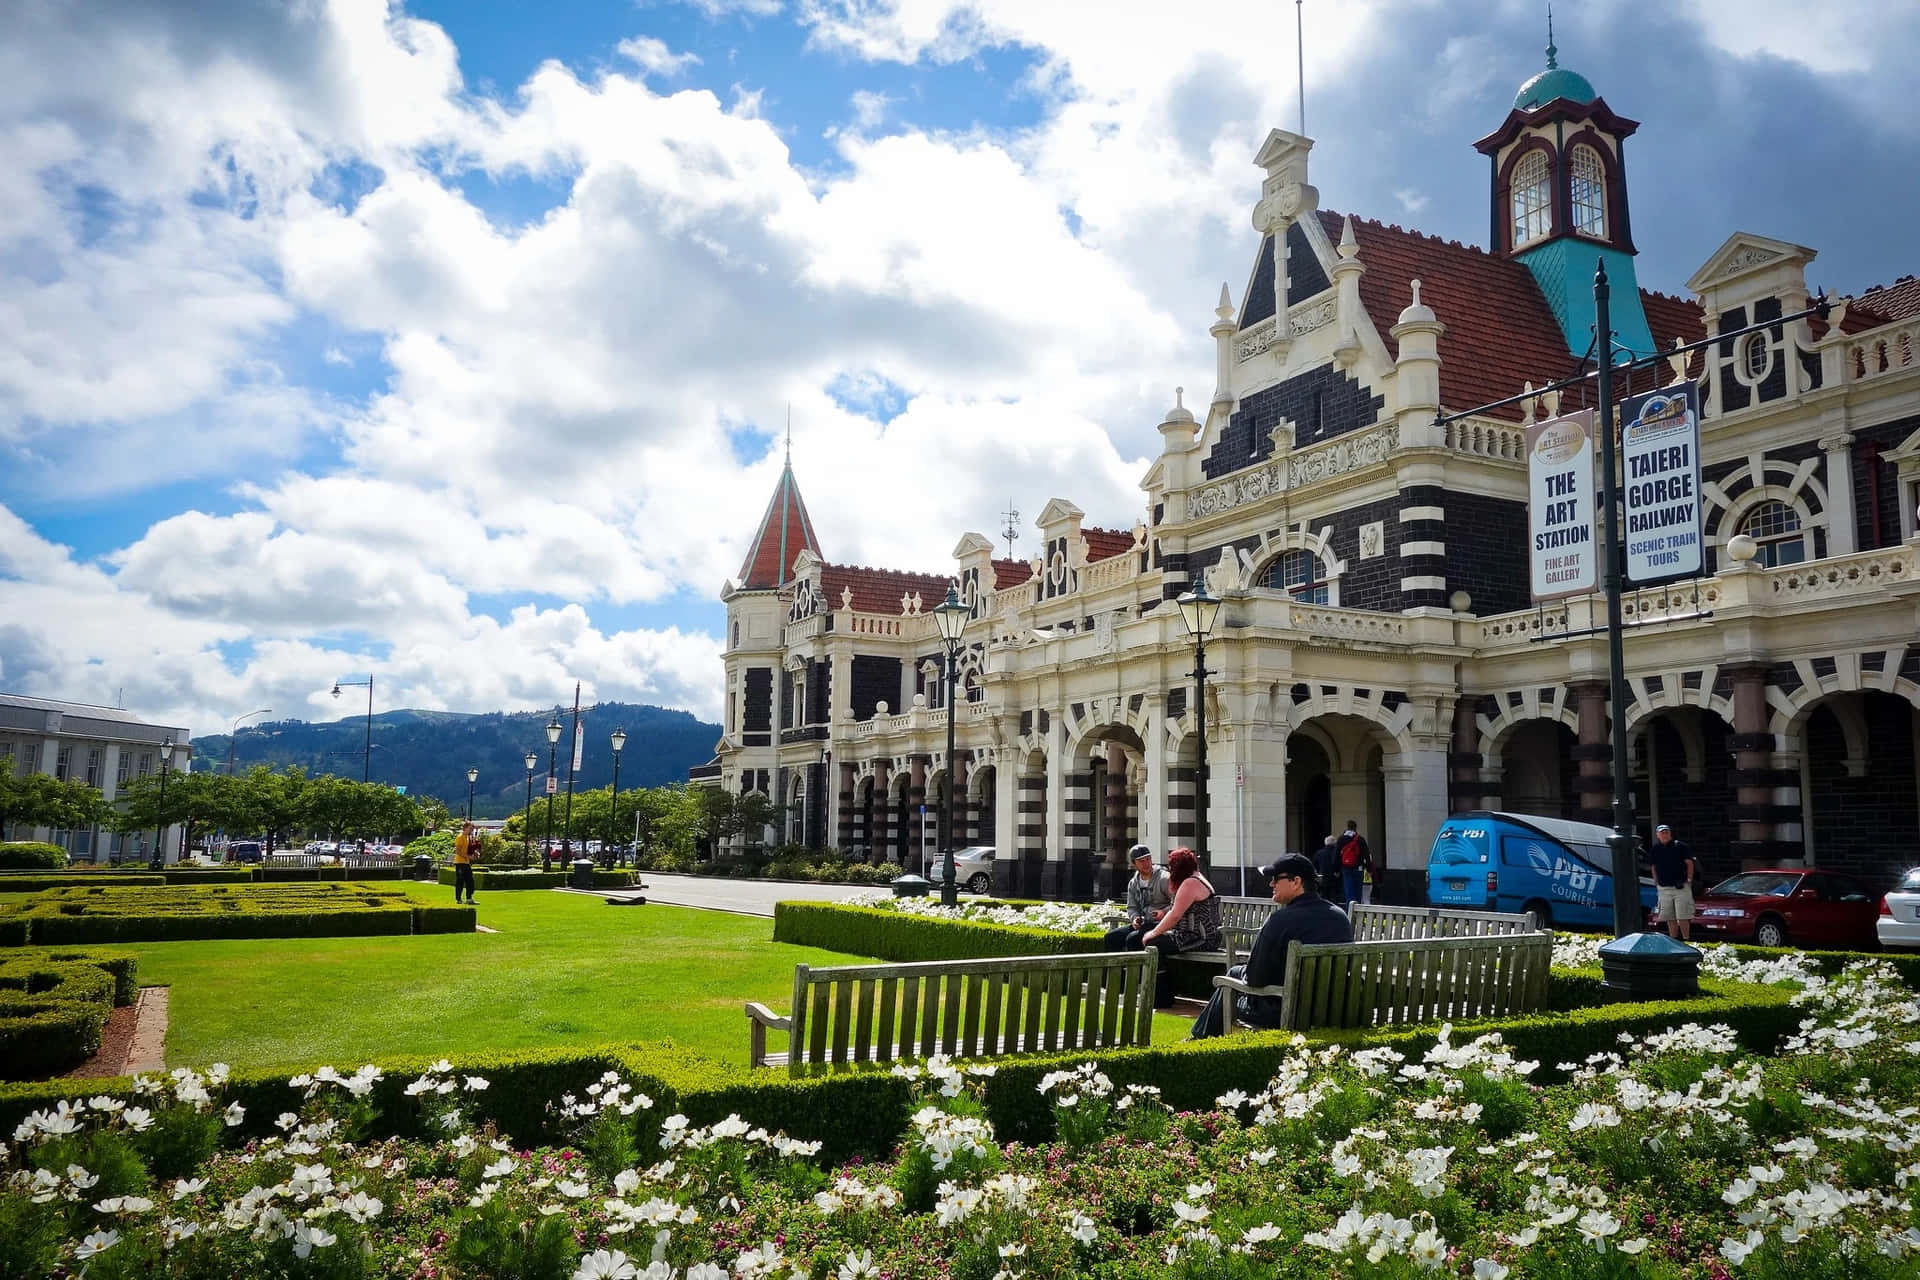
160 833
951 617
1199 611
526 819
619 741
473 776
554 730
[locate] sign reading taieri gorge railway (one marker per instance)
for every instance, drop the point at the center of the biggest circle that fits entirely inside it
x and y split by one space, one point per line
1660 451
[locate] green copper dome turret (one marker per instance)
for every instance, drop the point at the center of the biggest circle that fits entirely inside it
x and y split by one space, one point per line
1555 82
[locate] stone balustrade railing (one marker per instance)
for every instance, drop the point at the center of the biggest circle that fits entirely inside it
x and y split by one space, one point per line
1498 441
1879 352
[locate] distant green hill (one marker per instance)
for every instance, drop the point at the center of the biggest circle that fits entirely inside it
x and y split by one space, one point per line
428 752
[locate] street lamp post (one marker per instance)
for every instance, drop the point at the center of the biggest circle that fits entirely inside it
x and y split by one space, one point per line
233 733
951 617
473 776
1199 611
160 832
366 758
526 819
613 815
553 745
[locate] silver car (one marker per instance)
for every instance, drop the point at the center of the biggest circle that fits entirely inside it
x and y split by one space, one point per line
972 868
1899 923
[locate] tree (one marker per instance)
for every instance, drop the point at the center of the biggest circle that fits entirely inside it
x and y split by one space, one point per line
191 800
42 800
434 814
270 803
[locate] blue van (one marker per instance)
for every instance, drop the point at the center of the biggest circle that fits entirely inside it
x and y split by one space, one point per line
1552 867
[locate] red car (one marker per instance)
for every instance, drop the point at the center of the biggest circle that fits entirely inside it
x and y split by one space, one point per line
1787 906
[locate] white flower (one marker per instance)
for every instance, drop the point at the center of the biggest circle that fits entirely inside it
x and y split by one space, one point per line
307 1238
1488 1269
499 1168
1261 1234
98 1242
1082 1228
1736 1251
1428 1250
188 1187
858 1266
602 1264
1633 1246
361 1207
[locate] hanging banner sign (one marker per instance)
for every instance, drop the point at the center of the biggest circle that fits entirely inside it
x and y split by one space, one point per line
1561 546
579 743
1660 454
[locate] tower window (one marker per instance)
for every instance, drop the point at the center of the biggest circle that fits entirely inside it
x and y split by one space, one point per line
1589 192
1293 573
1532 199
1776 527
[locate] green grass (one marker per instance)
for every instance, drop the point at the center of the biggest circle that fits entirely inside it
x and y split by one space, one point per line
564 969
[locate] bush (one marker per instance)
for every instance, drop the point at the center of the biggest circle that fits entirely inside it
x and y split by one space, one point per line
889 935
31 854
29 882
103 913
428 919
53 1008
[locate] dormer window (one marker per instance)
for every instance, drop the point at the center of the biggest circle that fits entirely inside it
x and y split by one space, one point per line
1532 199
1589 192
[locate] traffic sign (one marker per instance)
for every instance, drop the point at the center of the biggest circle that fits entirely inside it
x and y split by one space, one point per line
553 785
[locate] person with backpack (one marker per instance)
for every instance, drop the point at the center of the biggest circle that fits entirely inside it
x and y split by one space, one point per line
1354 857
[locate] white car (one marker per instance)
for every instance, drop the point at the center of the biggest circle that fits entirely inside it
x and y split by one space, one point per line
1899 924
972 868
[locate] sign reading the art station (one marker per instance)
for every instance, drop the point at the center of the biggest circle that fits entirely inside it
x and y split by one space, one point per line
1560 543
1660 451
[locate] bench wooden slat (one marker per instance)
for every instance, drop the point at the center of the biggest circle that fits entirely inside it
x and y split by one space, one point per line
950 1016
930 1013
909 1017
970 1028
797 1033
842 1020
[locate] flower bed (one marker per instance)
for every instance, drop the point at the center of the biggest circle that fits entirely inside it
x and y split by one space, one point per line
148 913
1674 1156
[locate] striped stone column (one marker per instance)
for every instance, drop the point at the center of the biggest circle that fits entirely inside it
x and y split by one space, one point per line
1754 798
958 773
845 831
1180 787
1464 788
916 818
1076 876
1112 880
1030 838
880 809
1594 751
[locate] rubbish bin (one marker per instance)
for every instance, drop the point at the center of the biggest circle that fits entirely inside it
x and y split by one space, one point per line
157 863
423 867
911 886
582 876
1648 966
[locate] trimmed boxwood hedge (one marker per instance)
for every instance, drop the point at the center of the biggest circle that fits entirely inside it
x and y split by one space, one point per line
54 1005
108 913
428 919
485 879
33 882
31 853
891 935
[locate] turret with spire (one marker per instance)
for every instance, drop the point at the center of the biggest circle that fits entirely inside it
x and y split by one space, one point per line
785 531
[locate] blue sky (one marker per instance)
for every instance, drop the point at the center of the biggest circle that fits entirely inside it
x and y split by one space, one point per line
457 339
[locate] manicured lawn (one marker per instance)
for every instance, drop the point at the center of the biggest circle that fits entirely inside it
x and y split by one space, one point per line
564 969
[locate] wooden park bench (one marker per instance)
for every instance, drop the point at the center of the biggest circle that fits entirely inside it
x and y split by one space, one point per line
1373 922
960 1008
1397 981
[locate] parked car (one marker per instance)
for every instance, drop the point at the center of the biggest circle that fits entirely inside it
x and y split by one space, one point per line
972 868
1782 906
244 851
1899 921
1557 870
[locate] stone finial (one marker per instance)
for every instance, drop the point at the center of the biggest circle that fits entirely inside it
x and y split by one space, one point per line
1349 247
1530 406
846 597
1679 360
1417 312
1225 308
1551 401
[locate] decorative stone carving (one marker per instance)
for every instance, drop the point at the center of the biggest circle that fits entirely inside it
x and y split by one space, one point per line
1751 256
1308 316
1304 317
1373 539
1348 453
1254 342
846 597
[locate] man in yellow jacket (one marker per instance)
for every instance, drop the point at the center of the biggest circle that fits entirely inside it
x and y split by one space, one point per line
464 845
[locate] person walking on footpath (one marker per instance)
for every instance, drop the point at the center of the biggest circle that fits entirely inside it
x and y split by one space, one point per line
463 848
1149 894
1302 916
1354 857
1673 882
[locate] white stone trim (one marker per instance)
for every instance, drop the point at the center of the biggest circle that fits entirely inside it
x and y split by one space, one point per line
1423 582
1408 514
1423 548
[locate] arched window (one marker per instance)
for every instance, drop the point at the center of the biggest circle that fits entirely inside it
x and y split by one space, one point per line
1294 572
1589 192
1776 527
1532 199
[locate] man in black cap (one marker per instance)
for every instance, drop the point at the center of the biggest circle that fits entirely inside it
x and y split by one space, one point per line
1673 882
1149 894
1302 916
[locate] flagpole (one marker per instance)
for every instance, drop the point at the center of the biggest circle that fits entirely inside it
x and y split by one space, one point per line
1300 52
566 839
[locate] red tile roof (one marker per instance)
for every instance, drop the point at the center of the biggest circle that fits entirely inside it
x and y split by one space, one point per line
879 590
1500 333
1670 317
785 530
1010 573
1890 302
1105 543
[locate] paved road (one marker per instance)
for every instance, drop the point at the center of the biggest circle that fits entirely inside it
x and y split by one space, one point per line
745 897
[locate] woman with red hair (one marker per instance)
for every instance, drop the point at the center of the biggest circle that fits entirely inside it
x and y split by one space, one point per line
1192 923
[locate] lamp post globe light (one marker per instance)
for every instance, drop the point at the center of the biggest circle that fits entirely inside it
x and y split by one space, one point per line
1199 610
473 776
160 833
613 813
526 819
366 759
553 745
951 617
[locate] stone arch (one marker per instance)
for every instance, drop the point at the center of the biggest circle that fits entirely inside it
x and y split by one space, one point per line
862 823
1100 718
1673 692
1336 770
1859 763
1548 702
1535 771
1368 703
982 793
1797 484
1259 561
1790 710
1684 772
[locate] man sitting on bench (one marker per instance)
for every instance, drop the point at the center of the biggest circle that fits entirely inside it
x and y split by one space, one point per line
1304 916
